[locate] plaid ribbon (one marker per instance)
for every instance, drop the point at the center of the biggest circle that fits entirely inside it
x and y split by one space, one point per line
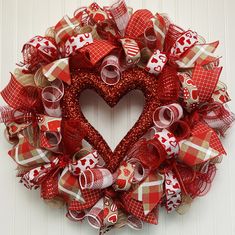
120 14
204 145
18 96
149 192
173 191
90 197
6 114
58 69
98 178
215 142
34 177
199 54
25 154
138 22
136 209
64 29
97 50
95 215
205 81
51 98
69 187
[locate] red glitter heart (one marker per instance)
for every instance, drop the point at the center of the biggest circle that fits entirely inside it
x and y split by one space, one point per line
131 79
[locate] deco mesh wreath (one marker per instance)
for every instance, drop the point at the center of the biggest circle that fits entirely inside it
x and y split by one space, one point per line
167 159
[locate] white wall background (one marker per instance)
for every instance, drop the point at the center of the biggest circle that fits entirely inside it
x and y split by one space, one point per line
23 213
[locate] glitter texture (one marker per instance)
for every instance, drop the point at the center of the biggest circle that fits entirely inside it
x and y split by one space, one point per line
132 79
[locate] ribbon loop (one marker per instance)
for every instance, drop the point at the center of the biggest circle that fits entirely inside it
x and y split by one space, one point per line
165 116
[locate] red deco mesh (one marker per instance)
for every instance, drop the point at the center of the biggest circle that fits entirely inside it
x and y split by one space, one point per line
170 86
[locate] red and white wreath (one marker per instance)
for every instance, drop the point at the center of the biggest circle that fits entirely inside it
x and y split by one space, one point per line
166 160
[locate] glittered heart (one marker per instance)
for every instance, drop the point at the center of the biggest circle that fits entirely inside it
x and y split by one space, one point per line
136 79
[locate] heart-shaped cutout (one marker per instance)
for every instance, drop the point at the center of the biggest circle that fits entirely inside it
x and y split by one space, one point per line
112 123
133 79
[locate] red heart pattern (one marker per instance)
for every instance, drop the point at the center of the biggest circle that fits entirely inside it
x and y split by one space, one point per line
183 43
173 191
76 42
156 62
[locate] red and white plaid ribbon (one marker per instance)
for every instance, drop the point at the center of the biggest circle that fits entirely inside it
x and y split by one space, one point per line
51 97
6 114
139 21
150 192
156 62
165 116
58 69
18 96
97 50
69 187
173 191
25 154
203 145
120 15
198 54
65 28
97 178
205 81
88 161
95 215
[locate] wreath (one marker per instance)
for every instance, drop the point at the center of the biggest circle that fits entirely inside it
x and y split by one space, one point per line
167 159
